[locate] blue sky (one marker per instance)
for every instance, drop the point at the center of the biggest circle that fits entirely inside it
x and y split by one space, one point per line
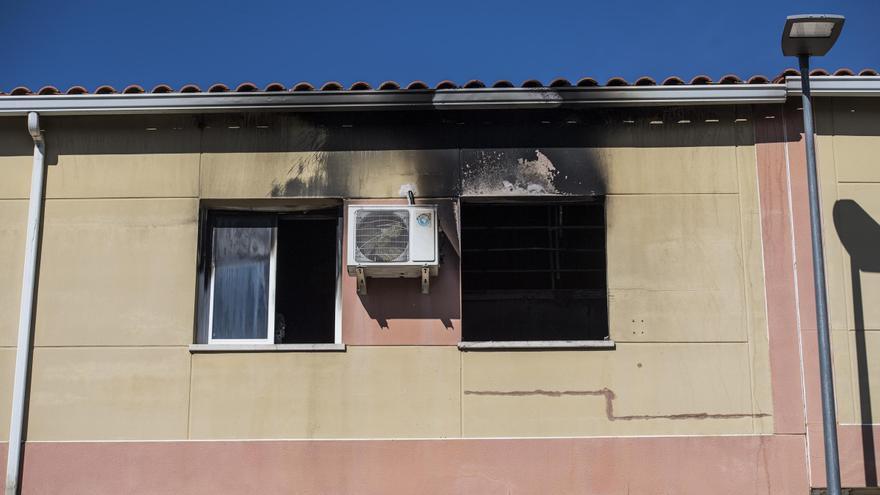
122 42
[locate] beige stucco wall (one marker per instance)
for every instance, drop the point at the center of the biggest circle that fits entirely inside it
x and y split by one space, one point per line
848 148
117 272
109 393
117 291
13 215
367 392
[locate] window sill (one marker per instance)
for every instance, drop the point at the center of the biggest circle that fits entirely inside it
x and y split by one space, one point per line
267 348
536 345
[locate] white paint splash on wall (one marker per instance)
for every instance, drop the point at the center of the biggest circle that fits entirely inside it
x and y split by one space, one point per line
496 174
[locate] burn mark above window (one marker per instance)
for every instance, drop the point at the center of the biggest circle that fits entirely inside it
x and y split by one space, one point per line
534 271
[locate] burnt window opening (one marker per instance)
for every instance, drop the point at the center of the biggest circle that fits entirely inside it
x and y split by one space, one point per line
534 271
305 286
273 278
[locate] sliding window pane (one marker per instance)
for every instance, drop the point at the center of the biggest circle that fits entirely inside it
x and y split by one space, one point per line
241 252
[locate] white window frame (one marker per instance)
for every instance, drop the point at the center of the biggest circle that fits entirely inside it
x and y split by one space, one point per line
270 318
337 307
269 340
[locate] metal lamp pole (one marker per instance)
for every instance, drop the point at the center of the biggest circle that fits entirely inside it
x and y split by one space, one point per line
803 36
829 416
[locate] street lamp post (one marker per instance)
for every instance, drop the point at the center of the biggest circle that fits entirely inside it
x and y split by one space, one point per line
805 36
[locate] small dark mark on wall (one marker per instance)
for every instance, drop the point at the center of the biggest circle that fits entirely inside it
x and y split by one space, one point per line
609 396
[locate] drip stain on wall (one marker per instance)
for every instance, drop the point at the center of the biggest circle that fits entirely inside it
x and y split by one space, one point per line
609 396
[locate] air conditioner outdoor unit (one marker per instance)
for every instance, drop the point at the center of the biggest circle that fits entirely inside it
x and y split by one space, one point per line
390 241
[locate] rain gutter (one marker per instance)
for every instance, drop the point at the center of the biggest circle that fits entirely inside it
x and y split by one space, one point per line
447 99
27 308
444 99
853 86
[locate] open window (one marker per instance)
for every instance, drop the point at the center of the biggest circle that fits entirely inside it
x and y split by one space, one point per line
271 277
534 271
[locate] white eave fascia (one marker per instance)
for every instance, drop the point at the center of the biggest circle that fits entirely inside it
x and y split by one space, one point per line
447 99
853 86
452 99
609 96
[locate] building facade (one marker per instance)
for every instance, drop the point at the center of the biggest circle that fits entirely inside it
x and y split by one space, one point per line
623 302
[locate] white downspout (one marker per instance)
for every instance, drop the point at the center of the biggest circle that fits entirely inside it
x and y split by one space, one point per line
28 306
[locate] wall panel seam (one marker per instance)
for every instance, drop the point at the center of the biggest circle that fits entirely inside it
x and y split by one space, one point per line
747 303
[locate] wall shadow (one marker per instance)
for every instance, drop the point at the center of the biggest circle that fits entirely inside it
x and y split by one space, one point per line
860 235
400 298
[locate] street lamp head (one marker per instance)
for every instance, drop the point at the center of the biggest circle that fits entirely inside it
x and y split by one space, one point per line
811 34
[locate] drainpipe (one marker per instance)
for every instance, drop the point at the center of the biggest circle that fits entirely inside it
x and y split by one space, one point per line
28 306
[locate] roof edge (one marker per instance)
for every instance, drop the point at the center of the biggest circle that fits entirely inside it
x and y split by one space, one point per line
475 98
853 86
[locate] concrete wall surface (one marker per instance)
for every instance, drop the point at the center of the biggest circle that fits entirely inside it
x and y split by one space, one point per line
726 465
116 296
704 390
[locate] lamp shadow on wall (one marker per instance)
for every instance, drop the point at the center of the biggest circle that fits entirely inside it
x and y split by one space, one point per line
860 235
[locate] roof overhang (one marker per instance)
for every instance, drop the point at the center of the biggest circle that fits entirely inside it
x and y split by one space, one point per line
452 99
836 85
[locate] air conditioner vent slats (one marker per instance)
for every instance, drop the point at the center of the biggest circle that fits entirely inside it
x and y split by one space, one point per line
382 236
391 241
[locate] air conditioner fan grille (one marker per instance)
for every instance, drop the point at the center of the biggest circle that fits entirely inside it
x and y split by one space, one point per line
381 236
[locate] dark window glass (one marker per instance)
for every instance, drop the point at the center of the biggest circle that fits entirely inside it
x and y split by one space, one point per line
534 271
305 291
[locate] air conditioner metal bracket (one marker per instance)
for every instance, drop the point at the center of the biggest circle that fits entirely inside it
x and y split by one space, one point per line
361 281
426 280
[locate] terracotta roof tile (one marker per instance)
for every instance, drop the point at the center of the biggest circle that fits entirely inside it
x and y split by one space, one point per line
304 86
560 82
360 86
389 85
48 90
248 87
673 81
701 79
758 79
418 85
275 86
587 82
332 86
787 72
